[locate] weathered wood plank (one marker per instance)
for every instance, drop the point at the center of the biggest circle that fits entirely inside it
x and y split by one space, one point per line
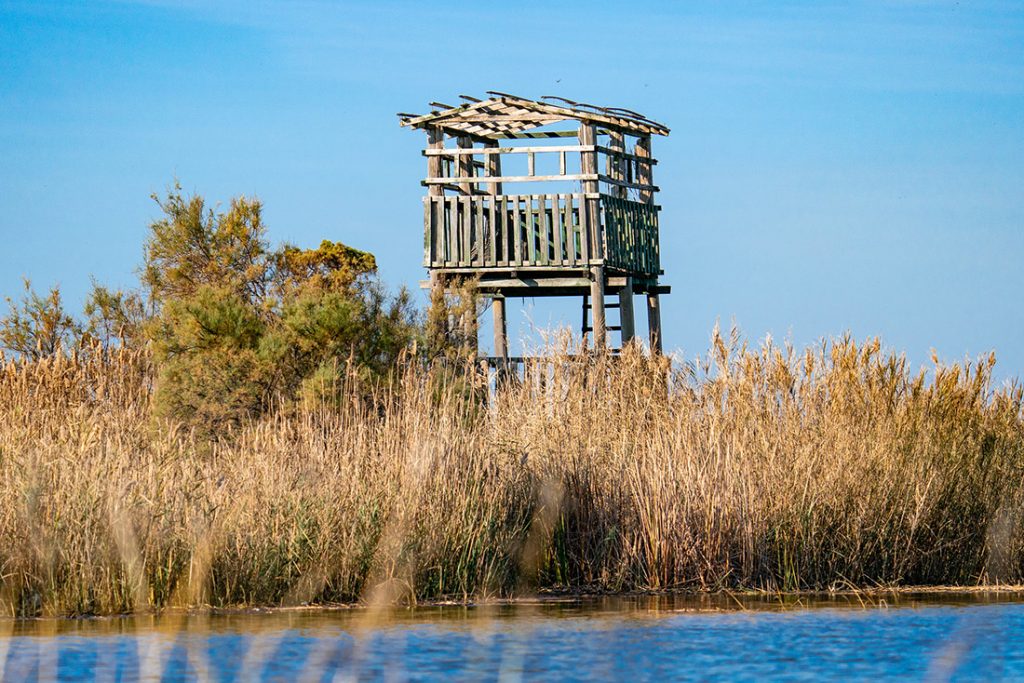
478 238
543 228
588 168
518 235
479 180
492 230
530 251
452 215
535 135
428 232
556 228
467 219
622 183
495 150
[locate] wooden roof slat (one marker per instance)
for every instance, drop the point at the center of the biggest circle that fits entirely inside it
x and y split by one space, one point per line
480 116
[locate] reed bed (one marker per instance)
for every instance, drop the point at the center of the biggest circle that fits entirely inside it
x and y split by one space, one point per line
764 468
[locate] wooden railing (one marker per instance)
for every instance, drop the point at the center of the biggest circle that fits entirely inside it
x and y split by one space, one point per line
543 230
506 231
631 235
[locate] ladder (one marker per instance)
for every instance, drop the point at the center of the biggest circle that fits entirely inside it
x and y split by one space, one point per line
587 327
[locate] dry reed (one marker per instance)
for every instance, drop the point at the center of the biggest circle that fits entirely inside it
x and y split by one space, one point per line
765 468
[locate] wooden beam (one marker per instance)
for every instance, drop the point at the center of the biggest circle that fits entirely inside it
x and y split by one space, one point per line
465 167
600 327
626 318
645 161
511 179
536 135
503 118
500 327
654 322
495 149
622 183
433 213
616 166
603 149
593 249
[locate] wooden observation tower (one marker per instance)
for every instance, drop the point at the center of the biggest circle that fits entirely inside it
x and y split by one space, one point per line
593 230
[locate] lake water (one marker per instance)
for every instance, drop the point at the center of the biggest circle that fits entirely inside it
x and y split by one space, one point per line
939 637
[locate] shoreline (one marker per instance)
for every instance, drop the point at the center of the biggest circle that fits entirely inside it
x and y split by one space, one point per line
679 601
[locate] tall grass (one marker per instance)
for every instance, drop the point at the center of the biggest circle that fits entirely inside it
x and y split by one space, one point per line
751 468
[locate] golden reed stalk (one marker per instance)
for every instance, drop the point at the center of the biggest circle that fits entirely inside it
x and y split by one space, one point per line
765 468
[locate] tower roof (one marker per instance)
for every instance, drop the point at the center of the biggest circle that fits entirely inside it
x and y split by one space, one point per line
502 114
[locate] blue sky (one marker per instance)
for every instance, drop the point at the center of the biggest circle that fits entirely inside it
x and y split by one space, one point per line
832 167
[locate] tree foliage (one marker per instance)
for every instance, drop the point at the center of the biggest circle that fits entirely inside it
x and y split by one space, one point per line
240 326
113 317
193 245
234 326
37 326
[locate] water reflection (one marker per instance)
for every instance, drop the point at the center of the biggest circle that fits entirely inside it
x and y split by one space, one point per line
938 637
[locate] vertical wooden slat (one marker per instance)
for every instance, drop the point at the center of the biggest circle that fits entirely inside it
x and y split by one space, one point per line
611 230
544 226
570 239
517 241
506 233
479 242
467 222
452 230
574 220
531 232
492 215
427 231
584 222
556 228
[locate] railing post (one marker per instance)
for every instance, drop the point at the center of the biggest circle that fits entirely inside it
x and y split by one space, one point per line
654 320
434 215
493 169
626 312
616 142
588 166
597 307
643 168
500 329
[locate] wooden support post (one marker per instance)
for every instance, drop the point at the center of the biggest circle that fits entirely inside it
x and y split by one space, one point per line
643 150
493 167
435 140
627 321
588 166
617 170
643 168
654 321
464 164
471 330
498 242
597 308
433 241
500 328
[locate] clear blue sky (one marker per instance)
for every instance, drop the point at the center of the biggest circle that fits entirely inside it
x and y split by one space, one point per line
832 166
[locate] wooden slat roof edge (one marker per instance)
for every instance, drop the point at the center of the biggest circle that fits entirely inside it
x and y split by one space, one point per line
617 117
